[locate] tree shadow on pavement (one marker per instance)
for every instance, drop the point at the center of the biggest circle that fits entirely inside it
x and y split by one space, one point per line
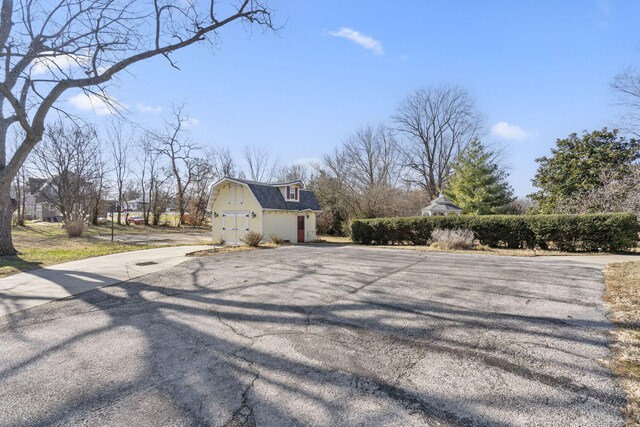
283 337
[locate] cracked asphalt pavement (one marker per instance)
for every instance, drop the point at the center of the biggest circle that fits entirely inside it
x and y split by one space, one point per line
319 335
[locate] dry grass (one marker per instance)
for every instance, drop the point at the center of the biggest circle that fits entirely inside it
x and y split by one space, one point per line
452 239
335 240
48 228
228 249
276 239
480 249
623 296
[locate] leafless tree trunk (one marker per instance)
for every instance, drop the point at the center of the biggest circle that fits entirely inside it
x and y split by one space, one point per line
48 48
120 140
20 187
181 153
20 191
203 177
627 86
98 186
262 168
67 160
436 123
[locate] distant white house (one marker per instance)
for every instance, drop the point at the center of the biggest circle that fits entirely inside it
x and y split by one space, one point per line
39 201
286 209
135 205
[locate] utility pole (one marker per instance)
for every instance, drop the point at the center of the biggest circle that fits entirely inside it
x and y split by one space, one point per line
112 225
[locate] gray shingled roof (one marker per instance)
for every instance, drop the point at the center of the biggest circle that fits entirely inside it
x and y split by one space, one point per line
270 197
442 204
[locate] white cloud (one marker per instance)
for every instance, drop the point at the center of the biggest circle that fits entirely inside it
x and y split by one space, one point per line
64 63
148 108
360 39
91 102
509 131
190 122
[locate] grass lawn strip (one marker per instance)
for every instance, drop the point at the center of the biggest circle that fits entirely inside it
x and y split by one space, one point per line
44 244
623 296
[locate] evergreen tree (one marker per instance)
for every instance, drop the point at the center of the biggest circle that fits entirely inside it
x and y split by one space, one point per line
577 165
478 184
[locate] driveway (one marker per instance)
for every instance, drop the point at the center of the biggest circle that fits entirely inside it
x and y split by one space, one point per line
319 335
156 239
40 286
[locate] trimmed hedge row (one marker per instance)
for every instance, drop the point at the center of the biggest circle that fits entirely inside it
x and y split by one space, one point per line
590 232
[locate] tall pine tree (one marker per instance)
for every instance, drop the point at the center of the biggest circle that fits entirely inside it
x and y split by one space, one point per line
478 184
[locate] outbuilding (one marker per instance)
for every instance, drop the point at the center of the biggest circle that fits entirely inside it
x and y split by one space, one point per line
441 206
285 209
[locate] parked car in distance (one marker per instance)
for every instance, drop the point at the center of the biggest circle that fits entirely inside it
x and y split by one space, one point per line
137 220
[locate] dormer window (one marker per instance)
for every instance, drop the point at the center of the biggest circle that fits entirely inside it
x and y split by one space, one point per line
292 193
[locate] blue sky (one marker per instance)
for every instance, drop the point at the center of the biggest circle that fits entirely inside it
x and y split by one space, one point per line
539 69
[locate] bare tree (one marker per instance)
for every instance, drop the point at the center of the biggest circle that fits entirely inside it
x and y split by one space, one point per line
120 143
223 163
360 179
98 185
627 86
49 48
20 192
617 194
298 171
152 179
173 143
262 168
436 123
203 177
67 160
20 186
373 157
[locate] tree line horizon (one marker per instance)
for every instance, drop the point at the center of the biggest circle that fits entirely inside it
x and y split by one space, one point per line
49 49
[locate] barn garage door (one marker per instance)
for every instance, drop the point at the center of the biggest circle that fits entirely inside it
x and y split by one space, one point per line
234 226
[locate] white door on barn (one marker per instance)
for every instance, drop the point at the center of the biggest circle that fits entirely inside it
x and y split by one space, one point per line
234 227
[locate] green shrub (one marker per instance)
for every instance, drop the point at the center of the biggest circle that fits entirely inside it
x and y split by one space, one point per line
591 232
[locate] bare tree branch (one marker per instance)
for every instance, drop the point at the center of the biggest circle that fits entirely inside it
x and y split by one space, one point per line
50 47
436 123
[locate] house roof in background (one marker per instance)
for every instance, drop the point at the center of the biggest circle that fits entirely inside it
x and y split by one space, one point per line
270 197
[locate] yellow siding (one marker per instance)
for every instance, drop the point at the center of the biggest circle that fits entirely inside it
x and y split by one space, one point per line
237 198
244 202
310 227
284 224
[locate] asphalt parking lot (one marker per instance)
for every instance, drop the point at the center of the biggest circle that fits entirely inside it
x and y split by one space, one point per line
319 335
